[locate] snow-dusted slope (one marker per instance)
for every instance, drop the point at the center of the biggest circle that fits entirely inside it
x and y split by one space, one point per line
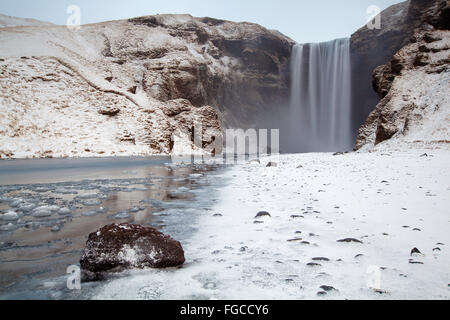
126 87
8 22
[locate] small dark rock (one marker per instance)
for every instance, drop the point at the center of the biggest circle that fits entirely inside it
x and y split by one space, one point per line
313 264
272 164
328 288
348 240
428 38
262 214
132 90
320 259
415 251
321 293
424 49
109 112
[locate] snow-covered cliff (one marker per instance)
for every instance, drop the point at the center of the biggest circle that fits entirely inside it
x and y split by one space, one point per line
134 87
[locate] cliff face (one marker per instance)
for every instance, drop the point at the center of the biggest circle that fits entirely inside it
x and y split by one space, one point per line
415 89
134 87
372 48
413 85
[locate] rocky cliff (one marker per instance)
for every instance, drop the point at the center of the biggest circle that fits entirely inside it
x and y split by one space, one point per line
414 84
134 87
372 48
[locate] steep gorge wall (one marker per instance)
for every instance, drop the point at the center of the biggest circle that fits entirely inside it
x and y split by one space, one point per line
372 48
414 84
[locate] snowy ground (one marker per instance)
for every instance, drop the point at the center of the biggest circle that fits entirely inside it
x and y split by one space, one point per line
391 202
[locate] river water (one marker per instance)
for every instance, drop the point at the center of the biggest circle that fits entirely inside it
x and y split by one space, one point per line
52 206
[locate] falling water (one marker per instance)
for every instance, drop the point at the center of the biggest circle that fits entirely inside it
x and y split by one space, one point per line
320 96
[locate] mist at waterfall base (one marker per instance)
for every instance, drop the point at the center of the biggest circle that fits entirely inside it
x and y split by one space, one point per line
318 118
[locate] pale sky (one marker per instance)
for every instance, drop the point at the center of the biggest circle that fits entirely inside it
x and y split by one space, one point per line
302 20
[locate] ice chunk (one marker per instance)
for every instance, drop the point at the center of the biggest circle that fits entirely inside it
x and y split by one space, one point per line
89 196
102 210
64 211
16 203
26 207
136 209
65 191
9 216
91 203
90 213
122 215
44 211
8 227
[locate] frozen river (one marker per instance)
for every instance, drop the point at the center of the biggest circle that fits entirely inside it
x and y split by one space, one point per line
49 207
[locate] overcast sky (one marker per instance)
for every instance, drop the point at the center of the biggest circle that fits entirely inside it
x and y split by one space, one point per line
302 20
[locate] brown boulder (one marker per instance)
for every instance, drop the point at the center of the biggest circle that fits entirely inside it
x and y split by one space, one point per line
125 246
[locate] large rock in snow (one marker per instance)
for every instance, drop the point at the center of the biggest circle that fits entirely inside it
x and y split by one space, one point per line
124 246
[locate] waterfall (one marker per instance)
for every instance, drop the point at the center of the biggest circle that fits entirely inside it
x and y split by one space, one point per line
320 107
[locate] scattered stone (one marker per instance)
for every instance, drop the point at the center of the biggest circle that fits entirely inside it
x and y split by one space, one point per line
321 293
416 229
217 215
380 291
272 164
328 288
436 249
348 240
415 262
294 240
123 246
258 222
262 214
415 251
359 256
55 228
313 264
320 259
111 112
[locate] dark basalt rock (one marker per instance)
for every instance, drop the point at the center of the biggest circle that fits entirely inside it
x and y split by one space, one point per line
328 288
262 214
415 251
348 240
111 112
124 246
